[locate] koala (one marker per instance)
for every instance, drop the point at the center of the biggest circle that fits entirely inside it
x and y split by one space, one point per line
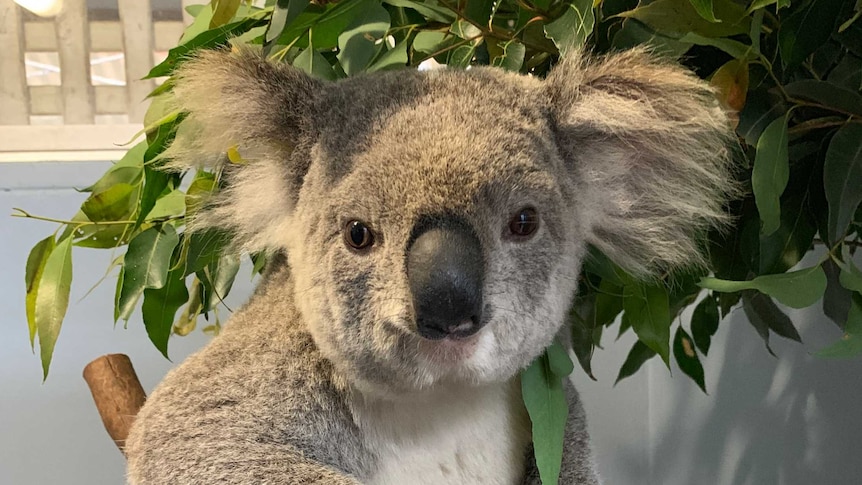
426 232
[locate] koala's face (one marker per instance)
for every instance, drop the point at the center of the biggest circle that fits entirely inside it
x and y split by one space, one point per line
435 222
441 244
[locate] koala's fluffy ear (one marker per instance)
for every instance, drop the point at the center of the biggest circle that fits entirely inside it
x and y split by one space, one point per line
650 152
239 99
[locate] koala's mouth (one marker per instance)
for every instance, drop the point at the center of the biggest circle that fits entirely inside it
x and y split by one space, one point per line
450 350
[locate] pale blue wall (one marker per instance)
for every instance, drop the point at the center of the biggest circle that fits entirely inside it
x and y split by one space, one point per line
796 420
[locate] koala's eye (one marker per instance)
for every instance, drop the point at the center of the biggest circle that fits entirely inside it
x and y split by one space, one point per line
358 236
524 222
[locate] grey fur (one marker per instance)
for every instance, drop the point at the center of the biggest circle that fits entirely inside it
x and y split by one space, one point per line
626 152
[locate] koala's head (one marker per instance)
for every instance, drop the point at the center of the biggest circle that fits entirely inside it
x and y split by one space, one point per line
435 222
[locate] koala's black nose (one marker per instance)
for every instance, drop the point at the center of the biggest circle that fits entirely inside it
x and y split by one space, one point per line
446 270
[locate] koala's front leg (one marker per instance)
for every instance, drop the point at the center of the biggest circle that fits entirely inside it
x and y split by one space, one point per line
240 412
578 467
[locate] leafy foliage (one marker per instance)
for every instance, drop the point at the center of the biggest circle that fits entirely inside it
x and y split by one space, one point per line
790 72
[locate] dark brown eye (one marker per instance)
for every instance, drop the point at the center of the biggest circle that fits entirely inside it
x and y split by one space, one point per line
357 235
524 222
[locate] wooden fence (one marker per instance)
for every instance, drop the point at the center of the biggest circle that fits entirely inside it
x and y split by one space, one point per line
74 35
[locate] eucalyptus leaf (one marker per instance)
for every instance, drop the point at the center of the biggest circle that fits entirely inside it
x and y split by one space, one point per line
146 265
431 11
52 300
796 289
223 11
686 357
806 29
842 178
161 305
358 42
704 323
314 64
33 276
770 174
827 94
851 277
649 313
114 203
704 9
850 344
512 57
284 13
545 400
636 358
676 18
571 30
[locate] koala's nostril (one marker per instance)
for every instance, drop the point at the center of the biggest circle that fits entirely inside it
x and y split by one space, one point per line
446 272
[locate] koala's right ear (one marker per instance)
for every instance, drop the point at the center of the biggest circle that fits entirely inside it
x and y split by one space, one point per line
237 99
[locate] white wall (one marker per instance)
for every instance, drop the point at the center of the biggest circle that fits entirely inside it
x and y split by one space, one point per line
796 420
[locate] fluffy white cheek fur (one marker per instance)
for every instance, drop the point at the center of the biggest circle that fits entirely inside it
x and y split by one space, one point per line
497 360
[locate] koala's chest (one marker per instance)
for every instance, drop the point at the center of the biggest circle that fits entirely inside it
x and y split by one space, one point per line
468 436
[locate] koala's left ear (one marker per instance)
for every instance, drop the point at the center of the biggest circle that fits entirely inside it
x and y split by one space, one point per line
649 149
240 101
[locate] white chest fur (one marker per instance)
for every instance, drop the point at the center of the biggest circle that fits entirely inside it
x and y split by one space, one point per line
469 435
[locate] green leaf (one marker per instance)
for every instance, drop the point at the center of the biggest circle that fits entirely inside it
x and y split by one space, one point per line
638 355
223 12
796 289
116 203
785 247
704 9
52 299
827 94
146 265
836 299
324 26
430 11
161 305
128 170
35 267
686 357
512 58
393 58
634 33
205 40
850 277
648 310
462 56
582 341
850 344
314 64
545 400
704 323
678 17
284 13
560 363
172 204
218 278
842 178
429 41
732 47
571 30
770 174
807 29
204 248
359 42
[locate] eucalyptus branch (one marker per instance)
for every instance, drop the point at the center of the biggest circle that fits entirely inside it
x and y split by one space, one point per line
26 215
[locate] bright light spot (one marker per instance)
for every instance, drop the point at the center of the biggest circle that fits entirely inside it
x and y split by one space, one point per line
44 8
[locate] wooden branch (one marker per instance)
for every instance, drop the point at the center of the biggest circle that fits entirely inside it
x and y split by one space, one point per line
117 392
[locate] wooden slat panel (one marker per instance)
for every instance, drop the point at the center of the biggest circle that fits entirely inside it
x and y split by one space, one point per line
105 35
167 34
73 40
137 20
65 137
13 77
48 100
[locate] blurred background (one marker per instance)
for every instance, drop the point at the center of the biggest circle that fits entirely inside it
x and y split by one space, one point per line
70 95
